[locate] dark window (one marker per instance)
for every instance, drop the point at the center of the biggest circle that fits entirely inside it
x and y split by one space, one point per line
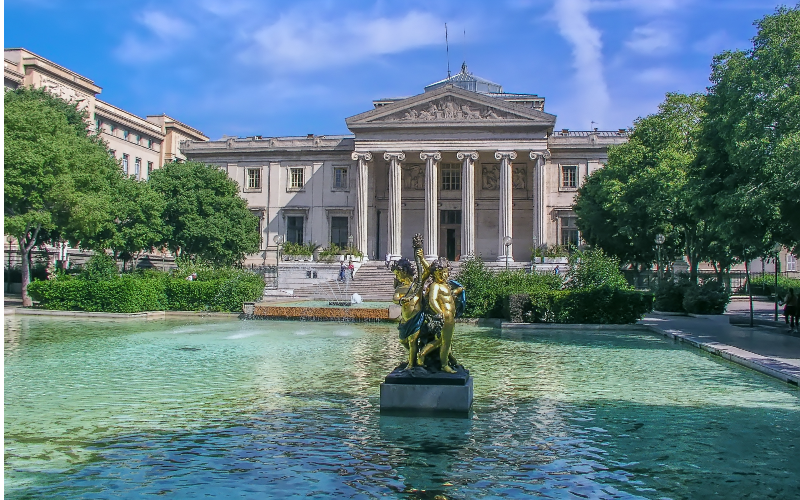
339 231
569 231
450 217
451 177
340 177
569 176
294 229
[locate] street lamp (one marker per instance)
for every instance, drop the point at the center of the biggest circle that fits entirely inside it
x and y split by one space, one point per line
278 239
777 250
660 239
349 242
507 243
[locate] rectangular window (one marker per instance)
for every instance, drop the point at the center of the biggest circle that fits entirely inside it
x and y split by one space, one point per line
451 177
137 167
294 229
569 231
791 262
138 139
340 177
569 176
98 124
125 164
296 180
339 231
112 153
149 168
450 217
150 143
253 178
111 128
125 134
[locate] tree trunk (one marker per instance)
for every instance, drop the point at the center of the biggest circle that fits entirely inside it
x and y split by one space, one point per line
25 247
749 289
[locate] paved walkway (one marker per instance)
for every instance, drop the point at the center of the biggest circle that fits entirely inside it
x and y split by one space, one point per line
766 348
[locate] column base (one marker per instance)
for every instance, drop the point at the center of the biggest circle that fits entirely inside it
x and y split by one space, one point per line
393 258
503 258
431 258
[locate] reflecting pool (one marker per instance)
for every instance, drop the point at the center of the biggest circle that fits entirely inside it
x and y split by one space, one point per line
280 409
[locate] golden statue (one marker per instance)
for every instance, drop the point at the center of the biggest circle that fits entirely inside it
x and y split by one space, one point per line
427 314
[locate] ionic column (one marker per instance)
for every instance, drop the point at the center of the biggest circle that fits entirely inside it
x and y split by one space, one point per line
431 244
361 201
467 202
539 198
395 205
505 218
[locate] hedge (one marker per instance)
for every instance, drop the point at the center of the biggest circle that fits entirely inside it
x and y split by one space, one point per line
600 305
148 292
765 285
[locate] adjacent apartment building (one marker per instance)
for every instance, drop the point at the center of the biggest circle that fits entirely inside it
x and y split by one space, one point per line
139 144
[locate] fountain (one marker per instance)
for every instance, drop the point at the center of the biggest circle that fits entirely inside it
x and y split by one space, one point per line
430 303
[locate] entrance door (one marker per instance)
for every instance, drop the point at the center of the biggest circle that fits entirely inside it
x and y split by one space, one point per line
294 229
451 244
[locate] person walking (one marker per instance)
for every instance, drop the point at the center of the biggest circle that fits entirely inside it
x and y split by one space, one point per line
351 269
342 271
790 313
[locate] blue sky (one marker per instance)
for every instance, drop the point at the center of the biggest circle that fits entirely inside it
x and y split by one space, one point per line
247 67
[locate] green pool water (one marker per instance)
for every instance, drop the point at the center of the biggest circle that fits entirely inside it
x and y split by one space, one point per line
261 409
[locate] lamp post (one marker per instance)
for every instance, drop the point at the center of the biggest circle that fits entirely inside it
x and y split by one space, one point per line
507 242
777 250
278 239
350 244
660 239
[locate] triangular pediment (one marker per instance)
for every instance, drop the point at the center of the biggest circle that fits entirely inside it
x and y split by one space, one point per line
450 106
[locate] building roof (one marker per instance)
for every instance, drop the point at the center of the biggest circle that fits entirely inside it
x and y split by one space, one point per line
468 81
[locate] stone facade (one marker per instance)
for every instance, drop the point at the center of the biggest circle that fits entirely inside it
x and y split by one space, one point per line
140 145
464 168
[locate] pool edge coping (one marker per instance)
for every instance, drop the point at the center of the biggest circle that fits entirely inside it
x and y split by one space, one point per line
764 364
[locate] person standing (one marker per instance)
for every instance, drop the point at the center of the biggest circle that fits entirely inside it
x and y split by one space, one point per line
790 312
351 270
342 271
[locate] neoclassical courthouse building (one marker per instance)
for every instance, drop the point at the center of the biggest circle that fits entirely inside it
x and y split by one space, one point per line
463 163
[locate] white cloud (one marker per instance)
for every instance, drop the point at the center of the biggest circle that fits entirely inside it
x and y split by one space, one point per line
652 38
166 27
299 42
716 42
644 6
659 75
587 51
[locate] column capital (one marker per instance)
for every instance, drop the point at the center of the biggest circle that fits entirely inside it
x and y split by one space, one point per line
544 155
436 155
397 155
510 155
473 155
366 156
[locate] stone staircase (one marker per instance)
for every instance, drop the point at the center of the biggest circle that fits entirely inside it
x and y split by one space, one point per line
372 281
375 283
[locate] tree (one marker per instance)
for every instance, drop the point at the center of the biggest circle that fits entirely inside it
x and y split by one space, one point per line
138 223
646 189
204 213
750 144
58 179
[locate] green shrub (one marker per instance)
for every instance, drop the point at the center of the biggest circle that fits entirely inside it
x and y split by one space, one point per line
486 290
593 268
100 266
765 285
600 305
217 290
670 295
711 297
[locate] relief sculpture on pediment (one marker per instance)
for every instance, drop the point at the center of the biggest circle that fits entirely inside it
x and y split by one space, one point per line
64 92
518 176
491 177
449 109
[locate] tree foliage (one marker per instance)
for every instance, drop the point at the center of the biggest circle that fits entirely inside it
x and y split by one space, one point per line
646 189
204 215
58 180
750 144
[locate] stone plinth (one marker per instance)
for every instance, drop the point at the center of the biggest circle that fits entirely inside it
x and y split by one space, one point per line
429 392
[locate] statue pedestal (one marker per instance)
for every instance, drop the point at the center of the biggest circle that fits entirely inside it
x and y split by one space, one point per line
421 391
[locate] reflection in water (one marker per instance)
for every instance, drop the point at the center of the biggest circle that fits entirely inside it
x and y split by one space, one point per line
290 410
